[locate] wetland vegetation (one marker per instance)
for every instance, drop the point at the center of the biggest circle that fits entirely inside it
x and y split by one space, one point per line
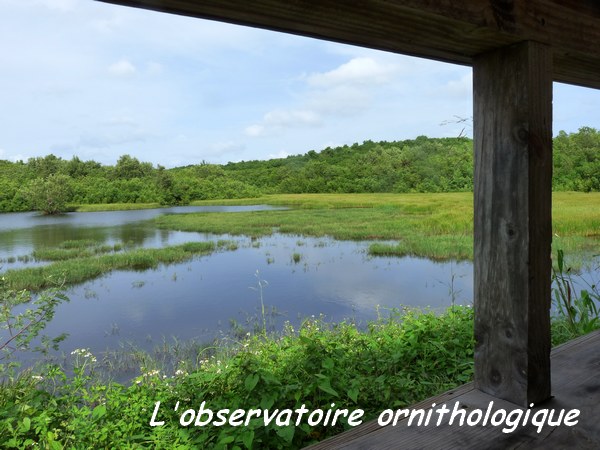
393 196
436 226
75 265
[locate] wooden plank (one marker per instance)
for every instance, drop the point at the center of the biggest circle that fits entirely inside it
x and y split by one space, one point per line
512 225
447 30
361 433
576 371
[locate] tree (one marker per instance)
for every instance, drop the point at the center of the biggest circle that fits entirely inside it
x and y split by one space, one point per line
129 167
45 166
50 195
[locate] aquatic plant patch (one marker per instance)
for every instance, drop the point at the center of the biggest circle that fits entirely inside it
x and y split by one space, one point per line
83 268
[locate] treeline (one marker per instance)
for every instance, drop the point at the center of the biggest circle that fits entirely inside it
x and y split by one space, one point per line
418 165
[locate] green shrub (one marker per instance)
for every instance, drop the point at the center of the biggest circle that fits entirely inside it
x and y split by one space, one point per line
393 362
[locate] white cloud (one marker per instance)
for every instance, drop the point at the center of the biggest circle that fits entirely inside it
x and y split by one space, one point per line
255 130
344 91
281 154
222 148
357 71
340 100
109 24
283 118
122 68
277 120
109 135
59 5
461 87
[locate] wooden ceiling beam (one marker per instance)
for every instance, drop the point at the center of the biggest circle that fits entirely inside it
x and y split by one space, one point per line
447 30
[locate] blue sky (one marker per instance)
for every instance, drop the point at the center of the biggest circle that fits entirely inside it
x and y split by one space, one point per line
95 80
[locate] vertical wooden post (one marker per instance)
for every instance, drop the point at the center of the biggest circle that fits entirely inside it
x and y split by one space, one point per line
512 266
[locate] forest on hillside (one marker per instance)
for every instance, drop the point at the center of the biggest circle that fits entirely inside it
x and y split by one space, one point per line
417 165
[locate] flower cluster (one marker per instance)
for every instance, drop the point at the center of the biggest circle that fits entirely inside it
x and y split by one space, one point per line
84 353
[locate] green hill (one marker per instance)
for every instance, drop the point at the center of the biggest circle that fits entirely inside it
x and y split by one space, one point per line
416 165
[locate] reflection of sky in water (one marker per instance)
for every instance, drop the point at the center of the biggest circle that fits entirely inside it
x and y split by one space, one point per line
22 233
198 298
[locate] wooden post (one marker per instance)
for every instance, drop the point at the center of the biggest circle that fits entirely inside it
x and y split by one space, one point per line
513 232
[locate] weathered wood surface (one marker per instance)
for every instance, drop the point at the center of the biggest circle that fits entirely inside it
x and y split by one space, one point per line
512 93
448 30
576 375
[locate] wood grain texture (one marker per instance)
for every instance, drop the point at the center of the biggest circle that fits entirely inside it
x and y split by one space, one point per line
576 374
447 30
512 224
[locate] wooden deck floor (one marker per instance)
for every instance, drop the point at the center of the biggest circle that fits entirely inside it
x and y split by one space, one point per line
575 385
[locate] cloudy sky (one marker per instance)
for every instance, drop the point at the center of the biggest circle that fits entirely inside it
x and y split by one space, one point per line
85 78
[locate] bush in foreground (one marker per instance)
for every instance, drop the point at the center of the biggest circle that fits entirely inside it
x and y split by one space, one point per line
391 363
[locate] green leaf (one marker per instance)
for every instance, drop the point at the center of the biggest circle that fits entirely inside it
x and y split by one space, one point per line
267 401
251 381
328 363
226 440
26 424
286 433
325 386
98 412
248 439
353 394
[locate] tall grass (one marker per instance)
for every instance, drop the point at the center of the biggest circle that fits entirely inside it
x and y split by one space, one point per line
74 249
576 301
78 270
437 226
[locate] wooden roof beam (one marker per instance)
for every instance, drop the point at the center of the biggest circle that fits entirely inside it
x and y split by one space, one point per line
446 30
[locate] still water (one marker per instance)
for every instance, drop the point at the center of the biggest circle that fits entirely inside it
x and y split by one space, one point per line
200 298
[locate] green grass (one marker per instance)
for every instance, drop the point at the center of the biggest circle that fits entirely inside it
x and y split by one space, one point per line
72 249
114 207
436 226
83 268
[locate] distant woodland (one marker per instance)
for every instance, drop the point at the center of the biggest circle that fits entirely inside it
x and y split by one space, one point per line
418 165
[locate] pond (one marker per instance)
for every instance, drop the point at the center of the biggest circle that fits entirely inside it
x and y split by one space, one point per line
200 299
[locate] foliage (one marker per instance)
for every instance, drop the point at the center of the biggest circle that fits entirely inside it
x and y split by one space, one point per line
437 226
577 309
75 265
577 160
49 195
18 329
394 362
413 165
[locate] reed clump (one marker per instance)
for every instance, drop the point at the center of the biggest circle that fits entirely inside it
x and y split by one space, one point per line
83 268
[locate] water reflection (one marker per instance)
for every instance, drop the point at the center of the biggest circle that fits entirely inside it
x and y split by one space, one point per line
22 233
198 299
